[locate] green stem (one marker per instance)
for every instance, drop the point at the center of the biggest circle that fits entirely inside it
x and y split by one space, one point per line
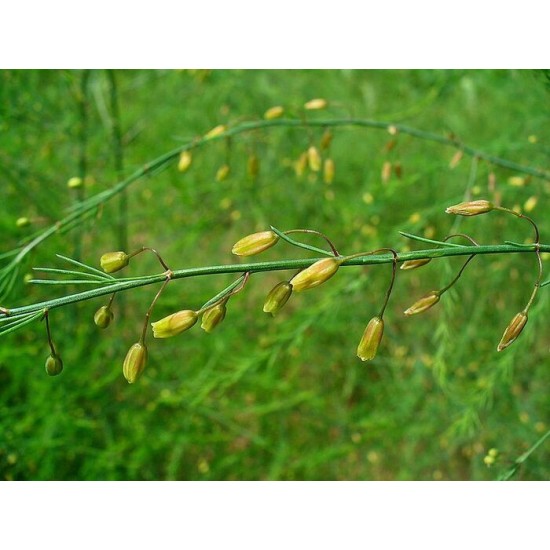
519 461
164 161
271 266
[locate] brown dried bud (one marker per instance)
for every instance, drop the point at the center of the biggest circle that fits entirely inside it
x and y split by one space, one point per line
426 302
274 112
213 317
326 139
103 317
278 296
54 365
174 324
134 362
114 261
253 166
368 346
255 243
315 274
471 208
513 330
413 264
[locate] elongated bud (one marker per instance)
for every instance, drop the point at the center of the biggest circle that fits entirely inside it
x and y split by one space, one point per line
300 165
114 261
368 346
253 166
414 264
74 183
274 112
22 222
328 171
134 362
386 172
223 172
426 302
174 324
213 317
255 243
326 139
472 208
513 330
215 132
314 159
54 365
278 296
457 157
103 317
315 274
315 104
185 161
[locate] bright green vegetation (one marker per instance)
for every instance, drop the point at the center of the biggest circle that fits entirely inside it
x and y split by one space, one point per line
283 397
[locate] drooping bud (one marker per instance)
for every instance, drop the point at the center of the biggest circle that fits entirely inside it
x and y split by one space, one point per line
134 362
22 222
213 317
513 330
274 112
471 208
223 172
457 157
328 171
278 296
386 172
414 264
114 261
300 165
426 302
74 183
315 104
185 161
253 166
54 365
315 274
174 324
255 243
368 346
314 159
215 132
326 139
103 317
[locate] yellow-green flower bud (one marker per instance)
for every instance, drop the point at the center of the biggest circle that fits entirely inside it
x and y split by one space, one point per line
277 297
255 243
22 222
328 171
174 324
103 317
315 274
253 166
314 159
74 183
185 161
368 346
426 302
54 365
218 130
472 208
134 362
223 172
414 264
315 104
274 112
114 261
513 330
212 317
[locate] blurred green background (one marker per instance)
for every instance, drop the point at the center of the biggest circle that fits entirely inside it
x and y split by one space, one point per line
279 398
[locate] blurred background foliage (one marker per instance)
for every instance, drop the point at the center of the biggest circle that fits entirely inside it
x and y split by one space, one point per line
279 398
